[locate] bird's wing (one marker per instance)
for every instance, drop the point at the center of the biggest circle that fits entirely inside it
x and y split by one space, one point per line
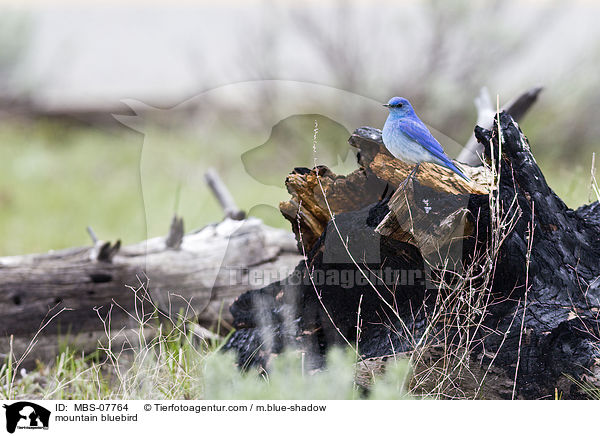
418 132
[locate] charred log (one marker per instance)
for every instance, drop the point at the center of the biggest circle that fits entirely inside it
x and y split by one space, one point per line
498 274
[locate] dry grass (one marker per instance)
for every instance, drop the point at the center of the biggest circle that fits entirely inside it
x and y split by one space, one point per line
166 357
441 356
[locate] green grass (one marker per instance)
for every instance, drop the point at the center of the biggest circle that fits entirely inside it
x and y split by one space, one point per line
56 180
174 364
183 373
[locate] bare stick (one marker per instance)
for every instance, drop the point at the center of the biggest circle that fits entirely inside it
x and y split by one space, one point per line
517 108
102 251
593 181
222 194
176 231
92 234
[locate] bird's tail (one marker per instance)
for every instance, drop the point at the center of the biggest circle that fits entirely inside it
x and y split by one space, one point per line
452 167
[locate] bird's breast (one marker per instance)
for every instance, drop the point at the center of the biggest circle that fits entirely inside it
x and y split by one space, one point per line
402 146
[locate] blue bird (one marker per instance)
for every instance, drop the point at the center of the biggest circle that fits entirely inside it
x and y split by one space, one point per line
407 138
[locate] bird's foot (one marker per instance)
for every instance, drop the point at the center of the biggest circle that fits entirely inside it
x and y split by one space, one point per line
412 175
387 193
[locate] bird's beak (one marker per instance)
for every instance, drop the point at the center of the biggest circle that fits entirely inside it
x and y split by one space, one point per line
386 105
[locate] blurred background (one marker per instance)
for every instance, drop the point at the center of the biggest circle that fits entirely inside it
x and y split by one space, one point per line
109 115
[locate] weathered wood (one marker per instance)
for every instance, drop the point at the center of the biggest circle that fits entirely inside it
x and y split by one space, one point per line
223 196
316 192
176 232
428 219
307 210
200 278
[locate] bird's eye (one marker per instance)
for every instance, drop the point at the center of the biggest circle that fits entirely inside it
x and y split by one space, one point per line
399 104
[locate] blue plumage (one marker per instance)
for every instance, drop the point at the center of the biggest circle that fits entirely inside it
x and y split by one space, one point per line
408 139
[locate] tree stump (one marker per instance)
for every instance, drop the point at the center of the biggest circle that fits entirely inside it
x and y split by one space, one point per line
490 288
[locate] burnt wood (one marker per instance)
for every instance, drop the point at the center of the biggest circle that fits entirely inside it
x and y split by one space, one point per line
518 314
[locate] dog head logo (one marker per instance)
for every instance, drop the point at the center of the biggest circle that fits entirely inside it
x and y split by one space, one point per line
24 414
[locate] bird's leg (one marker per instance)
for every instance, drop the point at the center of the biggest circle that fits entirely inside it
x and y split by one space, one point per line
387 193
414 171
410 176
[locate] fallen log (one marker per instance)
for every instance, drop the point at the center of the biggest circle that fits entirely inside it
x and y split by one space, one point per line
67 294
491 288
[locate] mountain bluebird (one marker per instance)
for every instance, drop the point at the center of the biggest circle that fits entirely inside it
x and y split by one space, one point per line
407 138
